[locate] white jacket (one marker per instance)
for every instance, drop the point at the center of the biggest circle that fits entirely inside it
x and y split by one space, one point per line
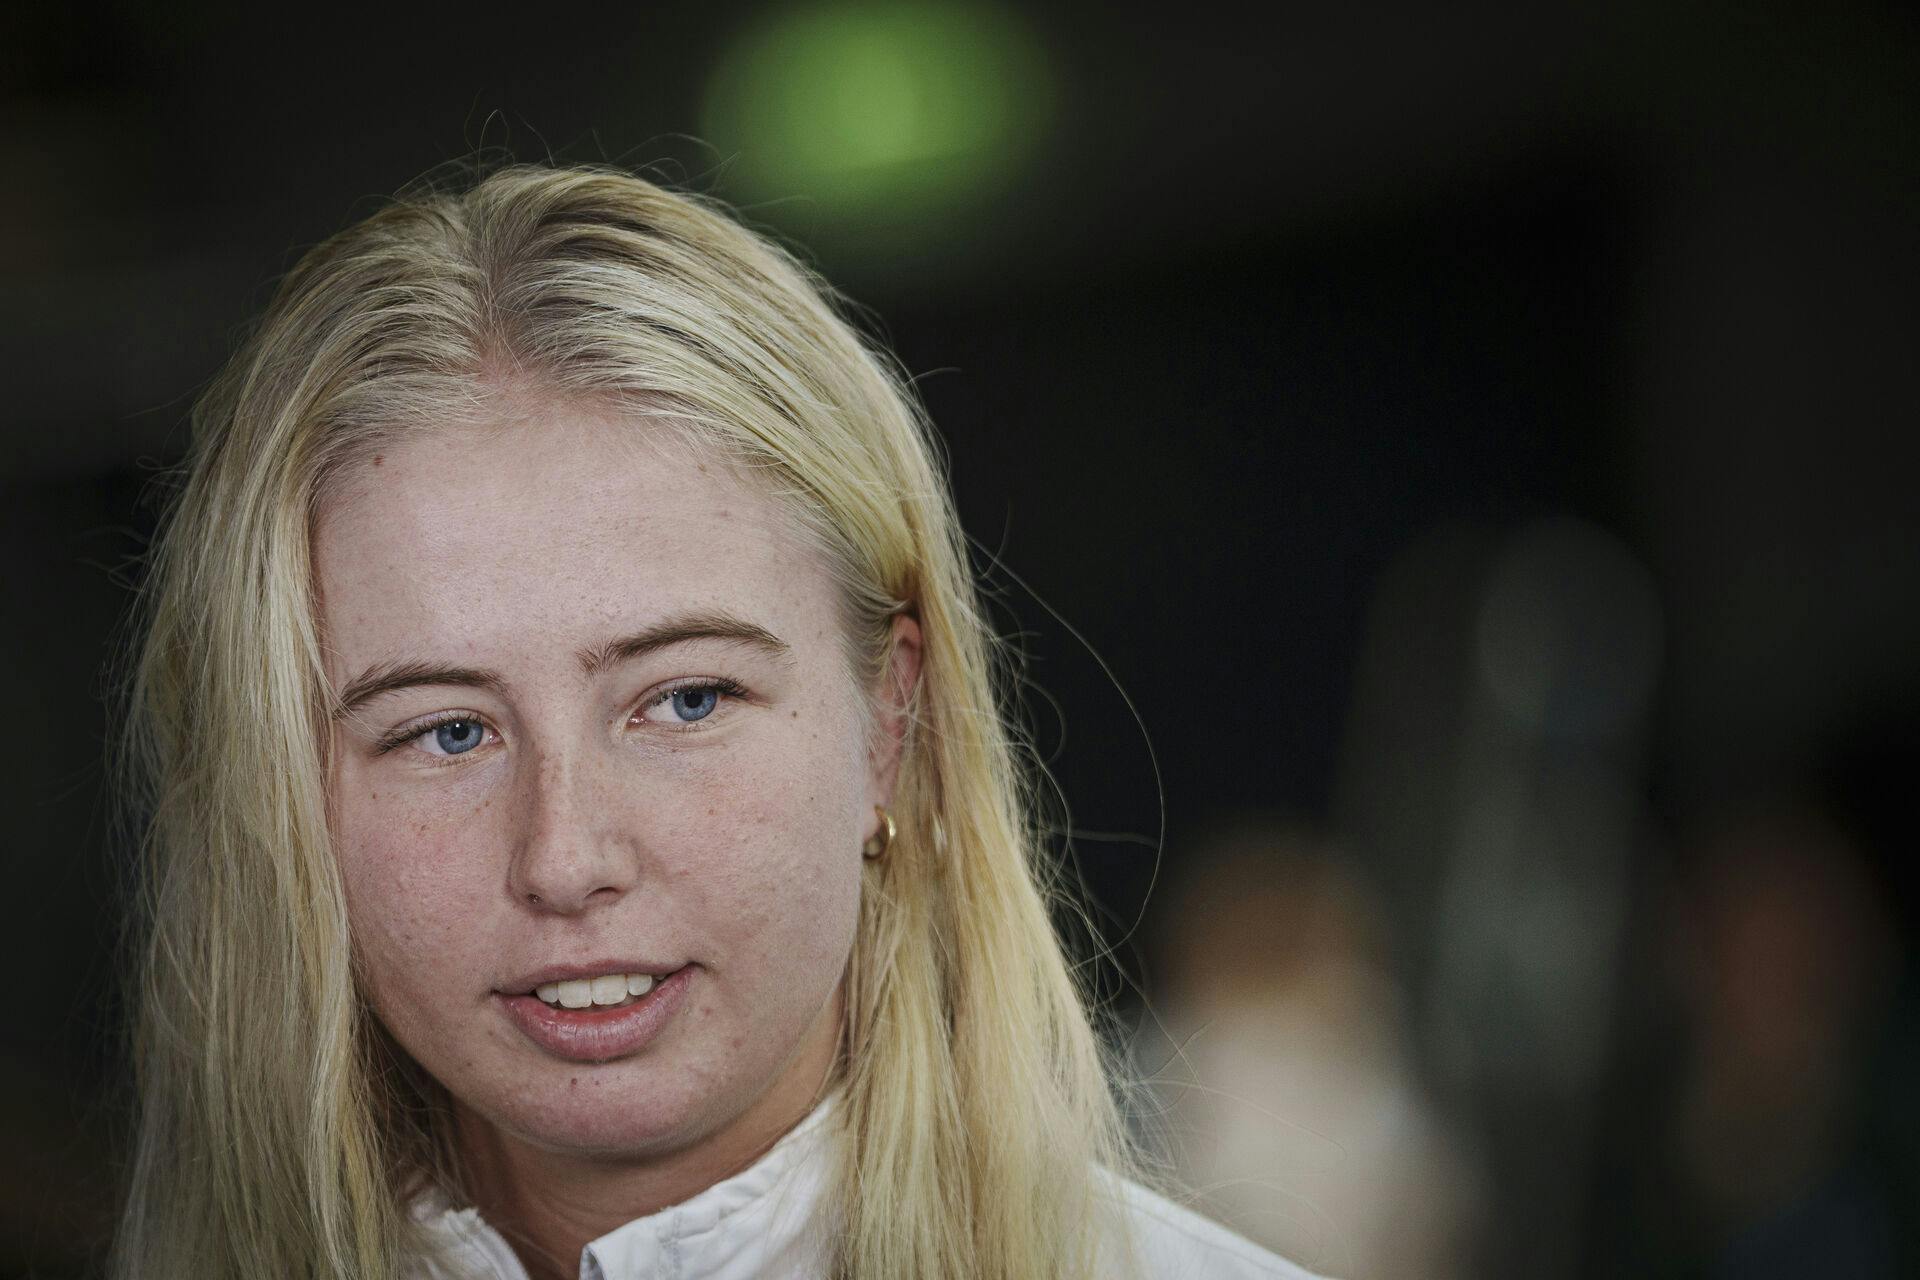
760 1225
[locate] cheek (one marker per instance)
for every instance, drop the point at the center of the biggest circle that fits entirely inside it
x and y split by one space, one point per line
416 880
772 849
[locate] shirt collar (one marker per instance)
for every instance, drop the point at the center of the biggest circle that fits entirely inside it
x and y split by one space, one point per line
762 1221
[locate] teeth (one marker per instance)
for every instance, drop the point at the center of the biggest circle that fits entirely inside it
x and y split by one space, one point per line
582 993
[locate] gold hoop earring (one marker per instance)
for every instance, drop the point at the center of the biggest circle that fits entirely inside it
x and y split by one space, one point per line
880 841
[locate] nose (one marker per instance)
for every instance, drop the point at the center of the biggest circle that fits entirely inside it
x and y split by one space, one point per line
573 850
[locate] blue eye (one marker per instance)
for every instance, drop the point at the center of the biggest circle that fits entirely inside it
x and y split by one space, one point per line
456 737
692 703
696 703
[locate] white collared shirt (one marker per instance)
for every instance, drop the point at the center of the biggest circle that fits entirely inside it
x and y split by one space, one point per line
760 1225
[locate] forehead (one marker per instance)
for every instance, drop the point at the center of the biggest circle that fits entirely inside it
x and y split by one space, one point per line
559 525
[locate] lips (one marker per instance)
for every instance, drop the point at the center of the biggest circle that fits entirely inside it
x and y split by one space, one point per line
598 1033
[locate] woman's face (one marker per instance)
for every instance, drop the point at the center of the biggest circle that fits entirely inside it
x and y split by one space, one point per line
600 729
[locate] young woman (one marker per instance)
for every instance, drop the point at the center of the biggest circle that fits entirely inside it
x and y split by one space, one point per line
585 839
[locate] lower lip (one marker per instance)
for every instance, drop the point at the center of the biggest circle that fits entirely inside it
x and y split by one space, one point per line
600 1035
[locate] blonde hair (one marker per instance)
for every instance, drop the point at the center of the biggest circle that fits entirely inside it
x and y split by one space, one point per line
278 1135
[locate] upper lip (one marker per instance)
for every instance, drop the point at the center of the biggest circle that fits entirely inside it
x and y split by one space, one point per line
525 984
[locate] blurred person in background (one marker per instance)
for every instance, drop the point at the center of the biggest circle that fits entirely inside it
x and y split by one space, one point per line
1292 1103
1749 1147
1783 955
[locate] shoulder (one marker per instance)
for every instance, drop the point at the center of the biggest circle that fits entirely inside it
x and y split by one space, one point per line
1170 1242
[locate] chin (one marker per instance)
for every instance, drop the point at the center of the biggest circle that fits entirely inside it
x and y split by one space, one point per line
612 1110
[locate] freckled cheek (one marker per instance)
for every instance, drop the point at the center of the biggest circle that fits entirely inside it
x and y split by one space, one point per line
415 881
768 852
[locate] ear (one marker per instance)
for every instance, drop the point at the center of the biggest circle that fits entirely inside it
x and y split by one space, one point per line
893 707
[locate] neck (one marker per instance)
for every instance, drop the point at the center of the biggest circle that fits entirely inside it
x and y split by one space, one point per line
549 1205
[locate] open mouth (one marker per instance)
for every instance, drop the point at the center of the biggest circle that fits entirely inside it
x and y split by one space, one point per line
602 1018
607 991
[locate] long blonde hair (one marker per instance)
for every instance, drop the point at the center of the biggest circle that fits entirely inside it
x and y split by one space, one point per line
277 1134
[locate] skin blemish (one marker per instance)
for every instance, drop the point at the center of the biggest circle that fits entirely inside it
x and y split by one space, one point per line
379 458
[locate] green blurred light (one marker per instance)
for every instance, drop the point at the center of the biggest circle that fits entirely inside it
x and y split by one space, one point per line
900 107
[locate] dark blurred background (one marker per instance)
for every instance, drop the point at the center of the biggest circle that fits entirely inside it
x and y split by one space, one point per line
1469 436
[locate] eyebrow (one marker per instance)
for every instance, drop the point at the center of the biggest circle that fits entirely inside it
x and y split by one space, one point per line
387 677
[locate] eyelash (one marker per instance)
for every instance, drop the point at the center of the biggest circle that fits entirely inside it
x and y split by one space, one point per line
721 685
